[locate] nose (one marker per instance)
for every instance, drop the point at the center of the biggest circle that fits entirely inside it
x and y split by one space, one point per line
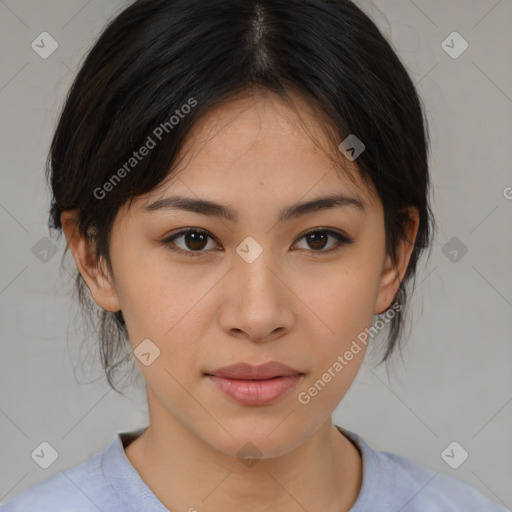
257 303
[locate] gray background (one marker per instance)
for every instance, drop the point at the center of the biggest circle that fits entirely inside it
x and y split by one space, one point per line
455 383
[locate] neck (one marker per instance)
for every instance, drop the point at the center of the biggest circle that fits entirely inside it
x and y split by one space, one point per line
186 473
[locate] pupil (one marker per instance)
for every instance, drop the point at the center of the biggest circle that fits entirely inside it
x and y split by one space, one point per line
193 240
314 236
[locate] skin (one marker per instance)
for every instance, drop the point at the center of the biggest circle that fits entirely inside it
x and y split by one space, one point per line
294 304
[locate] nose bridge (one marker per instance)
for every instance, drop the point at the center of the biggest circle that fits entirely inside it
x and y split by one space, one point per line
258 304
256 281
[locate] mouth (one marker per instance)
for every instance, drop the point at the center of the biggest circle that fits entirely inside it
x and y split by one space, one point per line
247 371
255 385
256 391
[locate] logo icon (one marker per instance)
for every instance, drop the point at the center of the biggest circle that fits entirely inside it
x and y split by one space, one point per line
454 455
249 249
352 147
45 455
146 352
44 45
249 454
44 250
454 45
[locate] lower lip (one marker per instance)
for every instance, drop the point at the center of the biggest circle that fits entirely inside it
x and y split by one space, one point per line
256 392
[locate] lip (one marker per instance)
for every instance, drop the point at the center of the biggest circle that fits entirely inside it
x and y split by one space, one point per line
256 392
247 371
255 385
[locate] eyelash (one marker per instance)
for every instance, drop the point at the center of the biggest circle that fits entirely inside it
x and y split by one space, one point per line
342 240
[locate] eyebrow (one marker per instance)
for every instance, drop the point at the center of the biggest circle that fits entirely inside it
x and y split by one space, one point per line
206 207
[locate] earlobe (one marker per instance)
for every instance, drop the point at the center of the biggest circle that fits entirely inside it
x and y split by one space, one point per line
393 272
96 276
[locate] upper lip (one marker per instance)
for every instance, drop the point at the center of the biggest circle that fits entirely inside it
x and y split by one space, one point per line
247 371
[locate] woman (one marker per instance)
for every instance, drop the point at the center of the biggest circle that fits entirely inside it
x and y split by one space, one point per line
243 185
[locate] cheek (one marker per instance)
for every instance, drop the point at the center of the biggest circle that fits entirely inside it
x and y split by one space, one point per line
342 295
345 306
166 302
152 295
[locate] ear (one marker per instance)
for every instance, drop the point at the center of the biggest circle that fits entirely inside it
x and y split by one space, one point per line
393 273
95 273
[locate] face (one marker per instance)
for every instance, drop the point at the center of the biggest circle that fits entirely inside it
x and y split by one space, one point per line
252 288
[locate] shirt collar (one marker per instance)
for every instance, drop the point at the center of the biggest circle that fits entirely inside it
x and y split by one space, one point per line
136 495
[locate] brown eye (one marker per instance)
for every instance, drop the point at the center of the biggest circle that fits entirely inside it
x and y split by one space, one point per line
318 239
195 240
192 241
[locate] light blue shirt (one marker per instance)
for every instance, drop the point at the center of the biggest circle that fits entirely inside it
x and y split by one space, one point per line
108 482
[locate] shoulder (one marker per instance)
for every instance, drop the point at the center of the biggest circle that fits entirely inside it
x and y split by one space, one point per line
81 489
422 487
398 483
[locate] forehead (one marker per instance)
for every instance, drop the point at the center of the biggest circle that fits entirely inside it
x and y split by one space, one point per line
256 147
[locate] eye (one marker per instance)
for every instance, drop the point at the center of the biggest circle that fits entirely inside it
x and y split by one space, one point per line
317 240
195 240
